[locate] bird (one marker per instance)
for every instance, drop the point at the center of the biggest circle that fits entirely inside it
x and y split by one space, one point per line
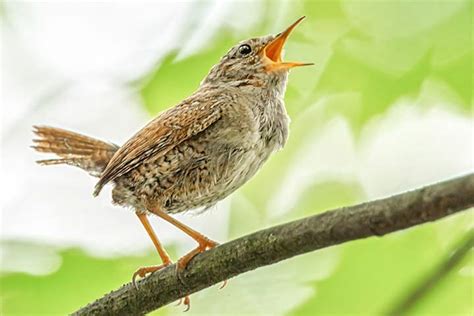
196 153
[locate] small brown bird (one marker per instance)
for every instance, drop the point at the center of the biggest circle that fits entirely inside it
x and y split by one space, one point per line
196 153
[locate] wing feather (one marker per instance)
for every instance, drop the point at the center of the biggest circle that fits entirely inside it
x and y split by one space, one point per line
171 128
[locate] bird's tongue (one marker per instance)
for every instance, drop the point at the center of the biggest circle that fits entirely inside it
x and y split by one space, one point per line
274 49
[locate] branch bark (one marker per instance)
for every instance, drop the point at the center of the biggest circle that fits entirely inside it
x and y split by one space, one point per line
274 244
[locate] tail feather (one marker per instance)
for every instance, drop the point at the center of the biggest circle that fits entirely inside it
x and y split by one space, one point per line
87 153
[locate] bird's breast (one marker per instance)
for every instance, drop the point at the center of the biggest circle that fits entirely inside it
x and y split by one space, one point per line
273 124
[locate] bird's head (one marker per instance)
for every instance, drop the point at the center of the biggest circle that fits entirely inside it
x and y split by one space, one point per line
255 62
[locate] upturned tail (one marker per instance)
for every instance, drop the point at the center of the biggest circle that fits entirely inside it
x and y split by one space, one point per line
87 153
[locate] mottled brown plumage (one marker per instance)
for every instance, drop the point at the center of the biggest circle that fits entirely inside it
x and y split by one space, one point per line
199 151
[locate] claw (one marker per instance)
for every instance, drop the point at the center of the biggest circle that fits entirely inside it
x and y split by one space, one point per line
183 262
144 271
134 279
187 303
223 285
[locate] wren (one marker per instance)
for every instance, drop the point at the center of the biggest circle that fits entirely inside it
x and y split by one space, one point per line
197 152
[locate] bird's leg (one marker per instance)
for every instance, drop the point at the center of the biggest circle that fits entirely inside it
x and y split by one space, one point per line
165 258
204 243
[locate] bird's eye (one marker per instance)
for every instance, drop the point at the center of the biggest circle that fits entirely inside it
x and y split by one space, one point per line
245 49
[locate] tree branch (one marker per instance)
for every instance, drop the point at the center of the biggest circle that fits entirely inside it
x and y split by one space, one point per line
274 244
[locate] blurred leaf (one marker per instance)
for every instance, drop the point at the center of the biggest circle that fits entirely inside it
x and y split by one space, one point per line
458 75
453 295
398 18
80 280
378 91
374 272
325 196
244 216
453 292
323 9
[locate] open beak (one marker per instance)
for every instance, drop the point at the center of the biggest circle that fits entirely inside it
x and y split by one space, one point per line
272 51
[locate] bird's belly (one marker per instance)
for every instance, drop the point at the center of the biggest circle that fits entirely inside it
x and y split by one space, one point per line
190 178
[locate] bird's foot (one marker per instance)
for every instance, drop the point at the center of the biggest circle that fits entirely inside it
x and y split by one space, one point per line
204 244
144 271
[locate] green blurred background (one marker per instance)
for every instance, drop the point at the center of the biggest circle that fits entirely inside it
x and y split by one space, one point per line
395 78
